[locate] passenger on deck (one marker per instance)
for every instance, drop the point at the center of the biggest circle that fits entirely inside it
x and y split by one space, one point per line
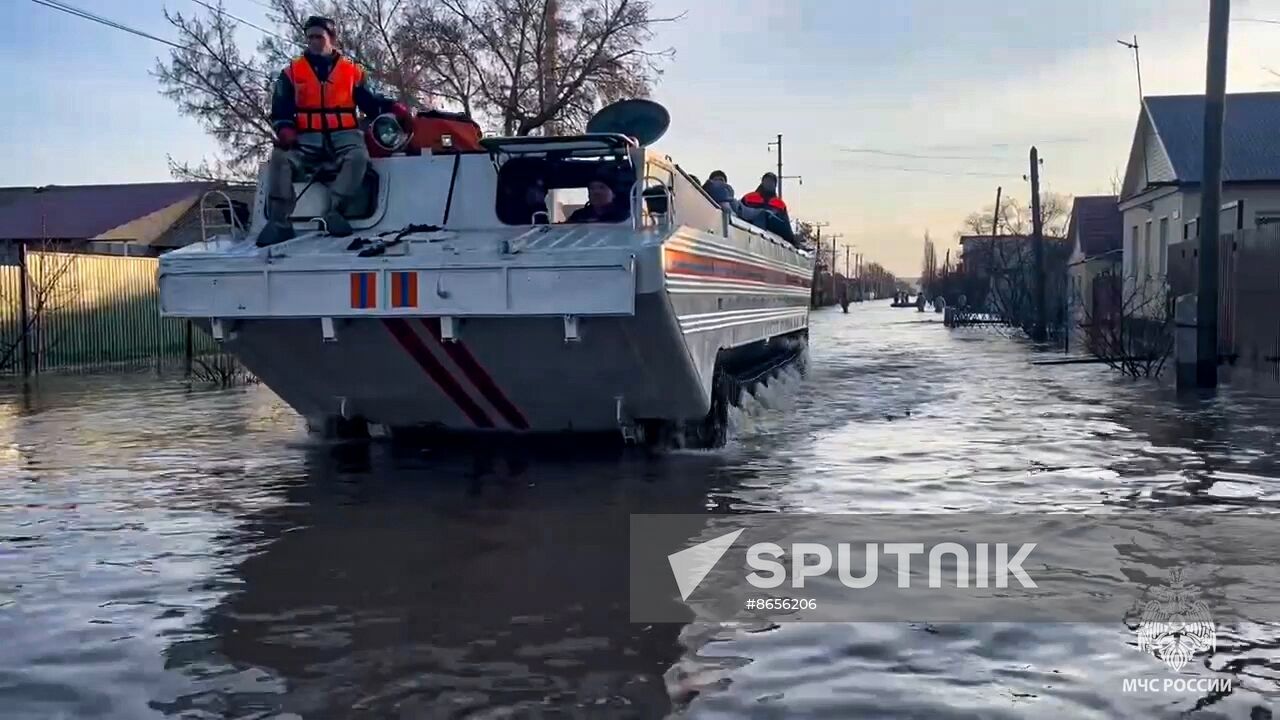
716 176
602 205
721 192
313 113
764 209
766 197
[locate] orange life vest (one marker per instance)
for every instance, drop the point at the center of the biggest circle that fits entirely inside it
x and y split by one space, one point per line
328 105
756 200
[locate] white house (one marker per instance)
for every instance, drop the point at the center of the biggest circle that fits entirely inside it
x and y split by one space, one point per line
1161 192
1095 233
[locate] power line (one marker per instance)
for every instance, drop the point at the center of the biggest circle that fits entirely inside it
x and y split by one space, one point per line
927 171
77 12
108 22
255 26
911 156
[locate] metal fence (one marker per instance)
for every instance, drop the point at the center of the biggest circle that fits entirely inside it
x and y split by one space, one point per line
89 313
1248 293
1255 297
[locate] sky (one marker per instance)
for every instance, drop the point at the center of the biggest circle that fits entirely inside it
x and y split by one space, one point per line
902 117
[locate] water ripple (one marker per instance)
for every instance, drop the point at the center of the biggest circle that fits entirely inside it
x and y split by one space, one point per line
170 552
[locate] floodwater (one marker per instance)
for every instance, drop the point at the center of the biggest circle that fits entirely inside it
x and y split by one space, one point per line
192 553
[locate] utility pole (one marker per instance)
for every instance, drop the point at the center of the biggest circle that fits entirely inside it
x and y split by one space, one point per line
1211 195
778 143
834 237
1137 61
846 261
781 177
817 258
1038 330
818 226
995 220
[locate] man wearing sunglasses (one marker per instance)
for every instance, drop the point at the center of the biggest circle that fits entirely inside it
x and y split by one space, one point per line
313 113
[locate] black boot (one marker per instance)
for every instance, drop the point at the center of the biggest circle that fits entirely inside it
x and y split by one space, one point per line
336 224
275 233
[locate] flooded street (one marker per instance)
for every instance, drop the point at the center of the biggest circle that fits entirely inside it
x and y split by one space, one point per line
170 552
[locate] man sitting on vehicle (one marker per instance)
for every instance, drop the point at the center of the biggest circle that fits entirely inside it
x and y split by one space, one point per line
766 197
718 187
602 206
716 176
763 208
313 112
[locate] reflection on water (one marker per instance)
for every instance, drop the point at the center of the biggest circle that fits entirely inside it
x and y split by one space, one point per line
194 554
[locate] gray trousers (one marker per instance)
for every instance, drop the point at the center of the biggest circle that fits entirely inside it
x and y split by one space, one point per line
345 151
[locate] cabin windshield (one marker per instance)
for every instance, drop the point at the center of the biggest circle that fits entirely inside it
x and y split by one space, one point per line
545 189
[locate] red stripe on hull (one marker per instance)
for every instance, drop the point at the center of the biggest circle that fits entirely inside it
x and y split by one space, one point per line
470 367
687 263
413 344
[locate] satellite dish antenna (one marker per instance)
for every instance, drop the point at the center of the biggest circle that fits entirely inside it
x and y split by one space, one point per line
644 120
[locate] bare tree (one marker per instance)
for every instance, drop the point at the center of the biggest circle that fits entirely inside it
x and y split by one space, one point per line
1015 217
51 288
221 369
929 265
501 48
999 281
1129 326
228 93
879 281
517 65
1117 182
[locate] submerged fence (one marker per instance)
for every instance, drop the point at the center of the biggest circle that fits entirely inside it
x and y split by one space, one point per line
88 313
1248 294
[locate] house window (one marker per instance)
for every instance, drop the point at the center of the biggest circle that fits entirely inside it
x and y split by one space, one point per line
1163 268
1146 250
1132 258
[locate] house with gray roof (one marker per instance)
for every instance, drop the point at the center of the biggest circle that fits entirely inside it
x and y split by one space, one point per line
1096 234
128 219
1160 197
83 258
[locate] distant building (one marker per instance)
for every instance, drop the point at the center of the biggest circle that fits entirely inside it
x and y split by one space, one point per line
78 272
1160 198
143 219
1096 236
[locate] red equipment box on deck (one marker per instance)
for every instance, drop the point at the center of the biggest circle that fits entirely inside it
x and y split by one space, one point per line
444 132
437 131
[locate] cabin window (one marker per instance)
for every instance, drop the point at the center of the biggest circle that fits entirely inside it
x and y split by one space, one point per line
549 190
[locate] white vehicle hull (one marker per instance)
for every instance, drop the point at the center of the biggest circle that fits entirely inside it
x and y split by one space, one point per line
553 328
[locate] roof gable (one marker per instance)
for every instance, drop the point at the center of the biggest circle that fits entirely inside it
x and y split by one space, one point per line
1149 162
1096 225
1251 143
